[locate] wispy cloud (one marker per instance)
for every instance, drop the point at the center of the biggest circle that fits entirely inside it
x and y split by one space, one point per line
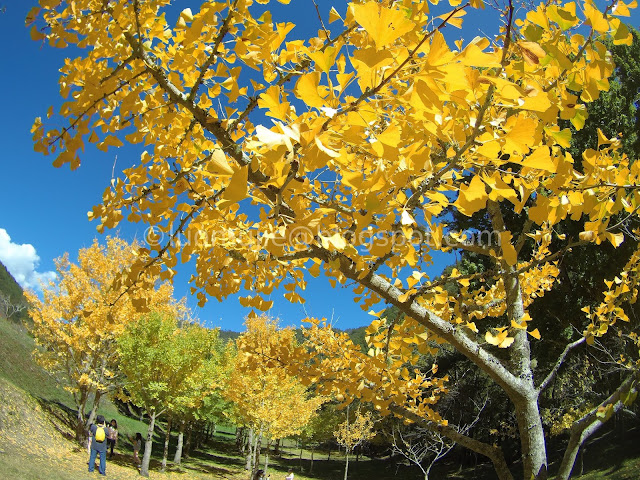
22 262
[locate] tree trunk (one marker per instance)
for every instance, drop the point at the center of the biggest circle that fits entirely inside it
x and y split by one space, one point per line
534 452
250 456
329 455
256 450
519 384
266 460
346 465
276 449
81 403
177 458
187 446
241 440
94 410
165 454
311 463
148 445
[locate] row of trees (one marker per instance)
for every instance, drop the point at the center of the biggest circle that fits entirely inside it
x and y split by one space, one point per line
92 331
385 135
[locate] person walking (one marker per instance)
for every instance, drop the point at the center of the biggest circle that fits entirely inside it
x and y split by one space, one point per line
98 436
112 438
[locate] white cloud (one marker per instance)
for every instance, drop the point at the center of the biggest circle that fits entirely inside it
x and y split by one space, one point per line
22 262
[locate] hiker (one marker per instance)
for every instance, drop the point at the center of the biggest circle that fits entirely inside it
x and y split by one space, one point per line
289 475
98 439
112 437
259 475
137 445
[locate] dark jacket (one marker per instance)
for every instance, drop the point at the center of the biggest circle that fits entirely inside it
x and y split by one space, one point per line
95 445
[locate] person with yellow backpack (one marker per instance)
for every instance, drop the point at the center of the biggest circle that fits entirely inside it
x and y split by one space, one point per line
98 439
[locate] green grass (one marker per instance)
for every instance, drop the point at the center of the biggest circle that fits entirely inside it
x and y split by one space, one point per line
18 366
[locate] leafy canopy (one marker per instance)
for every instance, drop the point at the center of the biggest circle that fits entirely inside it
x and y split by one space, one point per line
376 129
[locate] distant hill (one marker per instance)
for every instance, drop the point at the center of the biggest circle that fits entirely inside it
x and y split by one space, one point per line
356 334
228 335
11 291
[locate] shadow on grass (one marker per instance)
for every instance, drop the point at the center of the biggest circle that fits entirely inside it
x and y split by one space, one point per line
61 417
215 457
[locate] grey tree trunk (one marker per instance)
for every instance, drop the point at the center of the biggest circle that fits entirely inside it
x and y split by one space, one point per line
346 465
534 453
81 402
250 455
177 458
256 450
148 445
524 395
165 454
187 446
266 461
94 410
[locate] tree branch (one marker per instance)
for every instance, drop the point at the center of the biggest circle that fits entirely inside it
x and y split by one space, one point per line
224 29
556 367
493 453
585 427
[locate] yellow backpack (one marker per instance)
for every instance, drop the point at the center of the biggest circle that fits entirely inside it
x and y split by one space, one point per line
100 434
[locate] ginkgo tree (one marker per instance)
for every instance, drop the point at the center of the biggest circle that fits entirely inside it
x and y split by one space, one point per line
353 433
379 123
167 367
266 398
80 316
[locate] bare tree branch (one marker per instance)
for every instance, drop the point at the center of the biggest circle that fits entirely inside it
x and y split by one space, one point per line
556 367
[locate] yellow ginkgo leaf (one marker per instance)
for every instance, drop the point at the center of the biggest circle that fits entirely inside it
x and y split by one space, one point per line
324 60
472 198
307 89
595 18
237 188
384 25
270 100
218 164
406 218
532 52
540 159
508 251
334 15
520 136
506 342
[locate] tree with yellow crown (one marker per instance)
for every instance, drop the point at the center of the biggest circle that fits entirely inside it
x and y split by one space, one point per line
266 398
379 125
79 318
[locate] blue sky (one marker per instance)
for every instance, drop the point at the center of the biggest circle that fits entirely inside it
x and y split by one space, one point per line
44 209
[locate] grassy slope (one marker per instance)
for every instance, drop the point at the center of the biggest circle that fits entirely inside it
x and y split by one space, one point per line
18 367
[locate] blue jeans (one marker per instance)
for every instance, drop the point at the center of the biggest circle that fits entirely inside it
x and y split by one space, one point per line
102 468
